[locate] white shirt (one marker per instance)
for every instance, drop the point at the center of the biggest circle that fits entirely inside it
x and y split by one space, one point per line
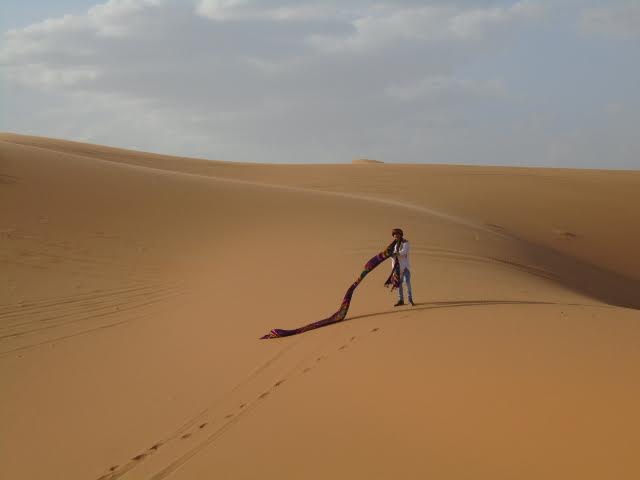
403 256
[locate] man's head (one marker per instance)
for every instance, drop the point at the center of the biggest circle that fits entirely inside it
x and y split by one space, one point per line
397 233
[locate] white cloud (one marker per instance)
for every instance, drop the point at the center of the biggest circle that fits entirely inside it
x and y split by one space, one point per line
111 18
619 20
73 35
74 50
387 25
47 78
224 10
440 87
285 80
469 24
221 9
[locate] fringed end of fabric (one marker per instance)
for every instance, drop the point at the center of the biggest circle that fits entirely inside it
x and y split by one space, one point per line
275 333
393 281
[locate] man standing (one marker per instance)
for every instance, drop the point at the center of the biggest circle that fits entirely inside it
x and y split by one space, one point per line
401 254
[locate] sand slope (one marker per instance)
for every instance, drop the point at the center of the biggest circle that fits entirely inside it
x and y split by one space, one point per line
137 286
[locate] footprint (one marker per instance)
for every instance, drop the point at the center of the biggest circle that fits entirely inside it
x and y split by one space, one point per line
8 179
264 395
342 347
185 436
139 457
319 359
564 233
375 330
114 468
278 383
229 415
156 446
352 339
306 370
242 405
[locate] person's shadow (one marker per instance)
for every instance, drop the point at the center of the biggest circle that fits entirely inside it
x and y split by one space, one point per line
454 304
466 303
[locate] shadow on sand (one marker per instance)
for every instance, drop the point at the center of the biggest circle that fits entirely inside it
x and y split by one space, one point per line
467 303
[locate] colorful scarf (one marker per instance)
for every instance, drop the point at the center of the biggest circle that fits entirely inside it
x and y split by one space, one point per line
393 281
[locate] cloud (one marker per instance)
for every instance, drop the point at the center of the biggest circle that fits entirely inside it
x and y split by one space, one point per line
70 51
443 87
225 10
278 80
618 20
251 54
41 76
117 17
387 25
221 9
470 24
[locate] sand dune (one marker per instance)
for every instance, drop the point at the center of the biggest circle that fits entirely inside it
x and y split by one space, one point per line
366 161
137 286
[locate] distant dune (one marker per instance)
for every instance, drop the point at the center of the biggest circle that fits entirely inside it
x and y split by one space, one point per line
137 285
365 160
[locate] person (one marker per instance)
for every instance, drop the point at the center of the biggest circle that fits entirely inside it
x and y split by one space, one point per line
401 254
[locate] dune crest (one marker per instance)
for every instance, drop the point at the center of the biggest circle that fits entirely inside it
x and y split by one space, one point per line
365 161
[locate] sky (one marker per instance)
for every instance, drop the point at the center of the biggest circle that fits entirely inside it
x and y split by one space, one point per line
542 83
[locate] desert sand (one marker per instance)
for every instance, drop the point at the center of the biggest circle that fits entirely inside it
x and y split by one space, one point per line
135 287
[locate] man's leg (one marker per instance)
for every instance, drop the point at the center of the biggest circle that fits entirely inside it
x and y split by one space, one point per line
400 289
407 275
400 292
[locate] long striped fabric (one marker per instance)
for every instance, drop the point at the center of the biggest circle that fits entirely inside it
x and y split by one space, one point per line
393 281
